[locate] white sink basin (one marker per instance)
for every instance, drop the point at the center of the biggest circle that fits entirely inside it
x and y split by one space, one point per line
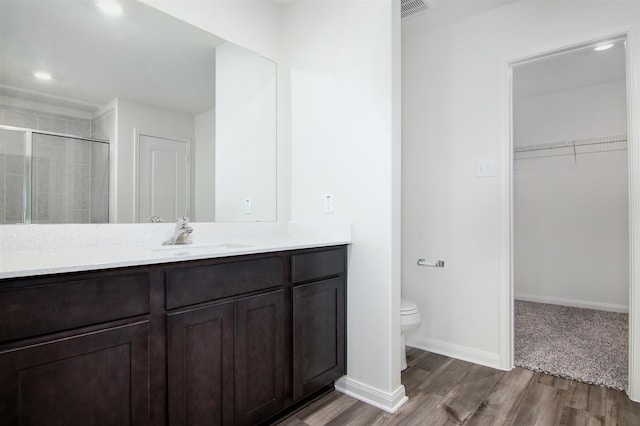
197 248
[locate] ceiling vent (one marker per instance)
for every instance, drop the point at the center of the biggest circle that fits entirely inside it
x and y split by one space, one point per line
411 8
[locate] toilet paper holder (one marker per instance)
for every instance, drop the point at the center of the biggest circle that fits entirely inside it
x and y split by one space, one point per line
437 264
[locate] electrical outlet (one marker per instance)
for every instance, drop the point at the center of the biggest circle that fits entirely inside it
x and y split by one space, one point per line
247 206
328 203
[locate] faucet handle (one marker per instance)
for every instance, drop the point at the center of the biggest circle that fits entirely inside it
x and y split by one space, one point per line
154 219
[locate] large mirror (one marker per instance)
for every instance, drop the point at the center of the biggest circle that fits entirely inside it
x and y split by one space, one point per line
184 122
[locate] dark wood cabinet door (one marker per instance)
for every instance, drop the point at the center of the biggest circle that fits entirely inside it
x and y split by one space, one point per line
98 378
260 369
318 335
200 377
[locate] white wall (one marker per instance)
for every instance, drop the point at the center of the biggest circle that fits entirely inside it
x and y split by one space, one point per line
571 230
452 113
41 107
587 112
344 69
204 154
245 141
252 24
571 220
150 120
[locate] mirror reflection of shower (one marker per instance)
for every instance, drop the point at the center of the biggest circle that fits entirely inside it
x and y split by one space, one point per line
52 178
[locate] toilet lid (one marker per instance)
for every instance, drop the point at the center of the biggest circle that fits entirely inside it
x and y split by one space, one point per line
407 307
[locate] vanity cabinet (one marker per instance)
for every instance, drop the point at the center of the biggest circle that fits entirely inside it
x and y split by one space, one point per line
260 367
226 362
200 365
226 359
224 341
98 378
319 310
58 367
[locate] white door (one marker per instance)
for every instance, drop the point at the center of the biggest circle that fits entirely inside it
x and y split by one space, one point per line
163 188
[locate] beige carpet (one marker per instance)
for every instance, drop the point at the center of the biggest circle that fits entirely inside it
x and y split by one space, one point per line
580 344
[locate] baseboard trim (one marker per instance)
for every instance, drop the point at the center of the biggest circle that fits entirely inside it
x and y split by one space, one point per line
452 350
575 303
389 402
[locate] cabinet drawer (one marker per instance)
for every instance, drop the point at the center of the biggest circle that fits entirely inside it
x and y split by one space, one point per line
198 284
316 265
30 308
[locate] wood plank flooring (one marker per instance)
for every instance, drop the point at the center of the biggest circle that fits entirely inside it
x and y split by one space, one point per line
447 391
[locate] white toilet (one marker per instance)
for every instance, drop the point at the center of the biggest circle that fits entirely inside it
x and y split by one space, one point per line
409 320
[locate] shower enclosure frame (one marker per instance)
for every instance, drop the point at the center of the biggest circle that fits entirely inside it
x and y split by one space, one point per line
27 190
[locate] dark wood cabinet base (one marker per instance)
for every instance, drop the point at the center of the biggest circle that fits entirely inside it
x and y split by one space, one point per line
97 378
227 341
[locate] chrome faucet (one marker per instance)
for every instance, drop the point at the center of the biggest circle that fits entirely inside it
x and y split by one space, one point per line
182 233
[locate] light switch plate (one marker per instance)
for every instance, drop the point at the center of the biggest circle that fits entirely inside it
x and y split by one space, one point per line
485 167
328 203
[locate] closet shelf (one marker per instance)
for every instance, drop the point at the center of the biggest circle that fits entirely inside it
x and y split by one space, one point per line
572 147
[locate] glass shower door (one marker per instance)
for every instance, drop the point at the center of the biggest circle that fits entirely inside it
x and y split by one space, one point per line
70 180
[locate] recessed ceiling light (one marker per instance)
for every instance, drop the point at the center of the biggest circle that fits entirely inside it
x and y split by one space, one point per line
42 75
109 7
604 46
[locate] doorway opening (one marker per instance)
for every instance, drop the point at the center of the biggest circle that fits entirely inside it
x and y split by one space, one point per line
570 213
